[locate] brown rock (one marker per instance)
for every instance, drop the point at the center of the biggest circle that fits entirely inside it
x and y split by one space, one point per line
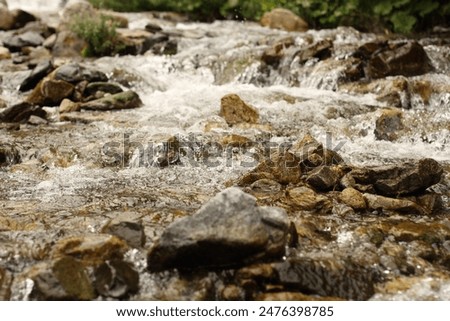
91 249
353 198
64 278
68 45
6 279
293 296
306 199
407 59
4 53
323 178
388 125
283 19
68 106
50 92
377 202
234 110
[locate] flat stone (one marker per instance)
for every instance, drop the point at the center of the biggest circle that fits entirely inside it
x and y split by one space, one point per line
307 199
123 100
74 73
229 230
234 110
377 202
27 39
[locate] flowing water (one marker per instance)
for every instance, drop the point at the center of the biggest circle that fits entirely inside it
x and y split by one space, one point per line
63 186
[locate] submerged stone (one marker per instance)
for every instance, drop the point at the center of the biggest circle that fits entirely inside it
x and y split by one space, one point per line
9 155
327 277
229 230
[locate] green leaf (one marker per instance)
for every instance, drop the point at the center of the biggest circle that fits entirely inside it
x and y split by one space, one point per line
383 8
403 22
425 7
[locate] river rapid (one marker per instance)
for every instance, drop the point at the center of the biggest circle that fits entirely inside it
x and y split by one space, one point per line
66 186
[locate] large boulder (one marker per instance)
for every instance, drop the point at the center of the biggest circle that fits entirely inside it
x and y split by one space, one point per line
14 19
229 230
50 92
283 19
21 112
28 39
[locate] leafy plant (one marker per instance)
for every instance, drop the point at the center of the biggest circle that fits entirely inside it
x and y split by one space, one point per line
100 34
398 15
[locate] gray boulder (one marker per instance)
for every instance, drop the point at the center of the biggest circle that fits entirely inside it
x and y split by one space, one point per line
229 230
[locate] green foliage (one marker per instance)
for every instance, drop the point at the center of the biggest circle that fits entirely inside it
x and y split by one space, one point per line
100 34
397 15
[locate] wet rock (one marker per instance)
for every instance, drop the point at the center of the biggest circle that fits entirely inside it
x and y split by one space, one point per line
283 19
5 284
21 112
27 39
9 155
124 100
327 277
307 200
321 50
234 110
36 75
152 27
136 41
74 73
116 279
281 166
407 59
62 279
131 232
388 125
323 178
68 106
91 249
394 180
229 230
353 198
273 55
312 154
163 151
169 47
50 92
377 202
104 87
4 53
